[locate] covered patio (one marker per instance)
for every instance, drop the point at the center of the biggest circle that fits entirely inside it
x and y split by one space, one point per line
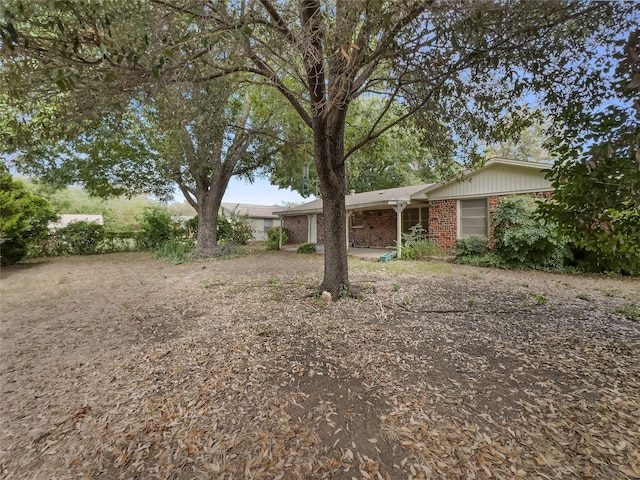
364 253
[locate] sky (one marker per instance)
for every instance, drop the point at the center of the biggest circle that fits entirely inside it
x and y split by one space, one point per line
260 192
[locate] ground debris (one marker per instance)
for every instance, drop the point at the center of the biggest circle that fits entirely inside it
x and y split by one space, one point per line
151 370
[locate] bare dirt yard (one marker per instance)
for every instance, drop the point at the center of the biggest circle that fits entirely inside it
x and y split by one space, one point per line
120 366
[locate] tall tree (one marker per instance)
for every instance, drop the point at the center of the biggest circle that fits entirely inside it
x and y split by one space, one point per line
157 134
463 63
597 174
527 146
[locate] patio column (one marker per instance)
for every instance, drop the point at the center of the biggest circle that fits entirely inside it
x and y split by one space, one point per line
400 206
349 212
309 219
280 236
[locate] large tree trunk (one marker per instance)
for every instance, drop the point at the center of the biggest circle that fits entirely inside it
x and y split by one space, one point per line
329 152
208 208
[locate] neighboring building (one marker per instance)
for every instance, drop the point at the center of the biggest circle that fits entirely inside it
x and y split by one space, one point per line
261 217
67 218
448 211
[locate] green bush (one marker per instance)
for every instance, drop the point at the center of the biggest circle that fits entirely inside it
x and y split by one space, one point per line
119 242
24 219
471 246
273 236
156 228
416 245
77 238
307 248
488 259
235 230
174 250
523 239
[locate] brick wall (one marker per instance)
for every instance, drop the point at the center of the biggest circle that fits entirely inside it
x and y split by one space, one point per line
296 228
443 222
379 226
378 229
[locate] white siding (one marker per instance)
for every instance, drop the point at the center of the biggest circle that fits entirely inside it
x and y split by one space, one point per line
495 180
258 227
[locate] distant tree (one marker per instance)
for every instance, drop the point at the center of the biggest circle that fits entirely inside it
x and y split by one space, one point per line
527 146
120 214
24 219
403 155
597 174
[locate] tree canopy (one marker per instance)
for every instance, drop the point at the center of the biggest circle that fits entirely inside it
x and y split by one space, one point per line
597 176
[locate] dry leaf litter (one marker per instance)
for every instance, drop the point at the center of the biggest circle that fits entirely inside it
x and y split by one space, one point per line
119 366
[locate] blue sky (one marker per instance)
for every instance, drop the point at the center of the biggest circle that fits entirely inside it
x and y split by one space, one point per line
260 192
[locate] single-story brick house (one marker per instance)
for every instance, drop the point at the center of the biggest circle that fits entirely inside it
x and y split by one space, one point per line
260 217
447 210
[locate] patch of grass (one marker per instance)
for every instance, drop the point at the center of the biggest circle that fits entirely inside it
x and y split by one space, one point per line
630 312
540 299
610 293
273 281
210 282
306 248
173 251
397 268
471 302
408 300
583 296
396 287
275 297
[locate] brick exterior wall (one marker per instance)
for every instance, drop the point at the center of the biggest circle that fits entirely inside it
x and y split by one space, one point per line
443 222
443 218
296 228
379 226
378 229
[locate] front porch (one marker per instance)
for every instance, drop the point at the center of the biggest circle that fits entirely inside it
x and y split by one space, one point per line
364 253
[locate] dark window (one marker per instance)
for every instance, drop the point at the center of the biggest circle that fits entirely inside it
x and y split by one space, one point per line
414 216
357 219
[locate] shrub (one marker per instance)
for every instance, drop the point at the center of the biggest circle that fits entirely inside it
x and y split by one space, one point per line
488 259
24 219
472 245
156 228
307 248
174 250
77 238
273 236
235 230
523 239
191 226
416 245
119 242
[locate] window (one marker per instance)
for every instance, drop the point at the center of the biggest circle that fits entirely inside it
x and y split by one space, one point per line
268 223
473 217
357 220
413 216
